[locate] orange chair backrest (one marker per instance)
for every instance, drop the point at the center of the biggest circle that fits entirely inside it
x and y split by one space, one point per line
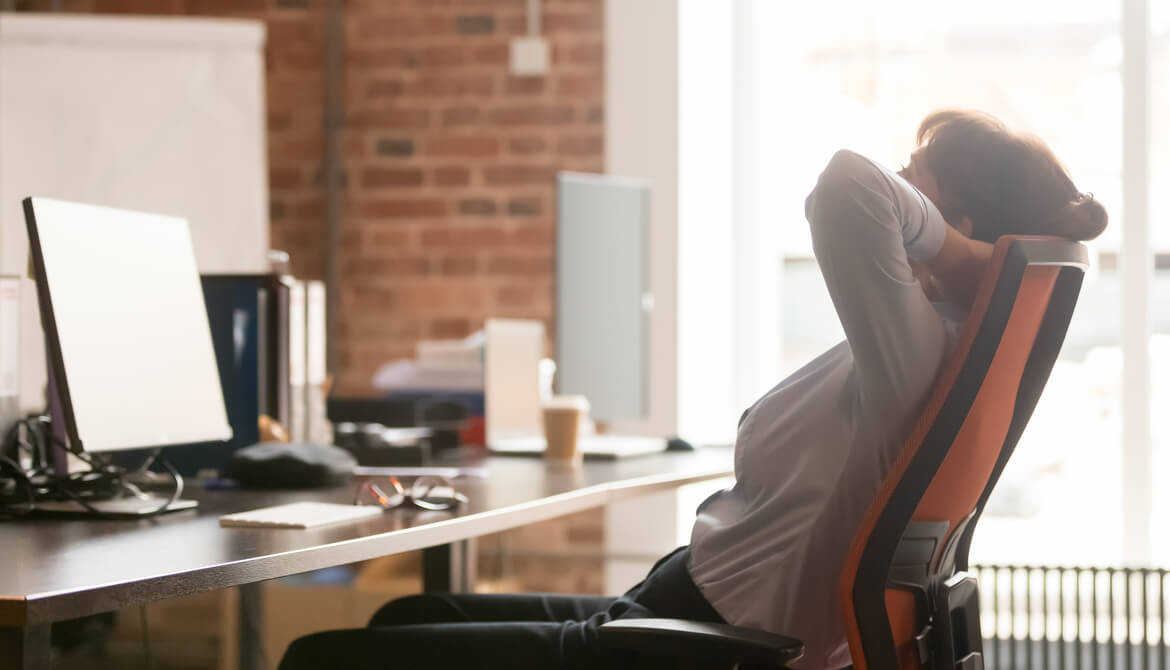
961 439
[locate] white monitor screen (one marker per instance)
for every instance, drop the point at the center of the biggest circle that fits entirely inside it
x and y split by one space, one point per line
602 295
126 324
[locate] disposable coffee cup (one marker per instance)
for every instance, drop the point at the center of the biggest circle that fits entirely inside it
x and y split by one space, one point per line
562 423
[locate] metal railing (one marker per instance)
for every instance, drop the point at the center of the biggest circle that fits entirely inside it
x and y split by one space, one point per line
1068 618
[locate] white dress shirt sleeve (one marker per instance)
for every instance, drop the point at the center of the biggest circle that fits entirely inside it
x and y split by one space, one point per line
866 222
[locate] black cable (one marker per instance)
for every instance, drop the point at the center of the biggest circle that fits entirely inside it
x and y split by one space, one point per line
103 481
20 480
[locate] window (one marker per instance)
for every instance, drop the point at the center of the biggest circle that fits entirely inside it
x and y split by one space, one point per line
858 75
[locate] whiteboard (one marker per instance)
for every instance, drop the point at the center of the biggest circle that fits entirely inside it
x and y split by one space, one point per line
120 291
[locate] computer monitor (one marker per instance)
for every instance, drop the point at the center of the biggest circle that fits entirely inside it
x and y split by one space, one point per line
127 336
603 298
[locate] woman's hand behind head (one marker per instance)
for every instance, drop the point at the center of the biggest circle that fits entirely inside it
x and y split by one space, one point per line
959 267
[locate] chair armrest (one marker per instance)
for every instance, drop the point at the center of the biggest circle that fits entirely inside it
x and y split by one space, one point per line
710 641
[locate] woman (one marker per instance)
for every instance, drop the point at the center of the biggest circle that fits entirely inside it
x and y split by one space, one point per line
902 254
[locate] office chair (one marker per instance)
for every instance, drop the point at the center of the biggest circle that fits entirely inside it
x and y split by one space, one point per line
906 599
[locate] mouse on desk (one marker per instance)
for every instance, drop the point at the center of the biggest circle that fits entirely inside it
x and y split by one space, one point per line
676 443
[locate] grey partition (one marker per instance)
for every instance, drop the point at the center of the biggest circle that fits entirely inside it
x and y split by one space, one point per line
602 292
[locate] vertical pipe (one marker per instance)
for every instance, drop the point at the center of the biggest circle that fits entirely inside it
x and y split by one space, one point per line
1044 616
1161 620
1126 574
1146 619
334 115
998 638
1063 663
1093 621
1079 647
1012 617
533 8
1112 622
1028 617
1147 664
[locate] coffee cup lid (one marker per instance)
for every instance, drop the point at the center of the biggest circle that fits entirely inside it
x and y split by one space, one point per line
577 402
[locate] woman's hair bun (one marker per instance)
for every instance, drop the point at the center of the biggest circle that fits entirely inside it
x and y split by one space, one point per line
1084 218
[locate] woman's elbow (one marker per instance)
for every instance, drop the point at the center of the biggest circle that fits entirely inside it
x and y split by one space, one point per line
834 183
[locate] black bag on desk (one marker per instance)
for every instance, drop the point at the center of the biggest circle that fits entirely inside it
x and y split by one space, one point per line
280 465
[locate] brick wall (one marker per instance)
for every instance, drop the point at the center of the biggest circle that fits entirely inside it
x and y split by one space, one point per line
450 164
449 197
449 160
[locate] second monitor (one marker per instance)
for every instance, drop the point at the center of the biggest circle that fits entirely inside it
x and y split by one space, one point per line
603 298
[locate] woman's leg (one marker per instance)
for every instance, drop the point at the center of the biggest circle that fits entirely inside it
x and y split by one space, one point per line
434 608
569 645
480 631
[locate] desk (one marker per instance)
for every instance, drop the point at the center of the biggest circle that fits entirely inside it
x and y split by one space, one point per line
51 570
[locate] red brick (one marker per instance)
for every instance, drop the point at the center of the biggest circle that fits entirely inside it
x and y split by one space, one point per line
580 145
385 57
225 6
535 234
385 88
458 265
525 146
580 86
515 296
520 265
393 117
399 266
590 54
491 54
281 178
461 115
452 176
532 115
403 208
514 25
463 237
351 241
299 59
310 209
443 56
524 207
450 85
438 56
477 207
295 31
391 177
450 327
463 146
389 238
475 24
286 149
524 85
519 175
371 297
562 22
375 30
418 298
129 7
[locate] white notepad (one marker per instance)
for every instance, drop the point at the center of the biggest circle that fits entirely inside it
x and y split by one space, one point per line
300 515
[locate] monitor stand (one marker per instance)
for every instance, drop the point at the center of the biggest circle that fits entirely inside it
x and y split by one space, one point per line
133 504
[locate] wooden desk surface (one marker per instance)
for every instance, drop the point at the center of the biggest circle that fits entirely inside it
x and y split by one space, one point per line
58 569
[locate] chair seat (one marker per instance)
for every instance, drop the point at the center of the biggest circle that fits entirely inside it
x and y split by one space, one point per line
716 643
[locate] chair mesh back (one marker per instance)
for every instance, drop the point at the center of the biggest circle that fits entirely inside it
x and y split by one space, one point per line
949 458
